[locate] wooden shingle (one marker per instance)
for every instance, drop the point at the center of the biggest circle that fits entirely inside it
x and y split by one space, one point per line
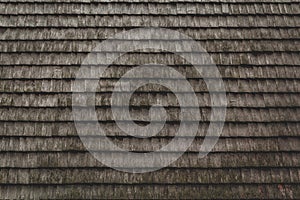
255 46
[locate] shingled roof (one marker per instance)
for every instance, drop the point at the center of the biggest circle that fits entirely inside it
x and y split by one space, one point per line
255 45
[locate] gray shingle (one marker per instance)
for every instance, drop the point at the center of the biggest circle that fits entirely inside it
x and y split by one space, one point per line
136 21
255 46
65 144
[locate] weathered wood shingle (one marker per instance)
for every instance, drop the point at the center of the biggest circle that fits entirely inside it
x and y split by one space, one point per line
255 46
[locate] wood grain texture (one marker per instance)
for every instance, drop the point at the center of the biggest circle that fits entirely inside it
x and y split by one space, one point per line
255 46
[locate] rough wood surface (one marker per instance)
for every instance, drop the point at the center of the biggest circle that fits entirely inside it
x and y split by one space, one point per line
255 45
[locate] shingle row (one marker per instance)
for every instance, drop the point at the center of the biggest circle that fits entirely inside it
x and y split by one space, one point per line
144 99
200 33
201 8
235 86
191 160
142 114
152 21
230 129
88 191
65 144
201 176
250 59
69 72
209 46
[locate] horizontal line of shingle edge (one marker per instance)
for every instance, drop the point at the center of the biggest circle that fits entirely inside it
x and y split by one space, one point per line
168 167
159 53
149 106
153 137
148 92
134 65
152 1
151 14
143 184
166 152
199 40
163 52
87 152
154 78
170 27
157 92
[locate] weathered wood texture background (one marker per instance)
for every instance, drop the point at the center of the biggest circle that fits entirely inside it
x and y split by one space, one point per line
255 45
